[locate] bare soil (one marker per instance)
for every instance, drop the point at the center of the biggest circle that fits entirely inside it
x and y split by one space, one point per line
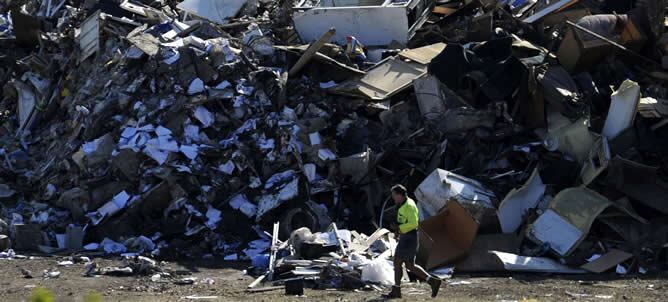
231 282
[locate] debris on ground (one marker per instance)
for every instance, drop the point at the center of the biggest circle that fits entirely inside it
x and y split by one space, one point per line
532 135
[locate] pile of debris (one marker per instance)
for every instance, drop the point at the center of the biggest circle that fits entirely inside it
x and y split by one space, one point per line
340 259
531 132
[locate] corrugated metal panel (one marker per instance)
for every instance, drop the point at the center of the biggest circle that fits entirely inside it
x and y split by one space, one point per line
89 36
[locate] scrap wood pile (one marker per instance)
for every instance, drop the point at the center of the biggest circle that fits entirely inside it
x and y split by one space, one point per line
531 134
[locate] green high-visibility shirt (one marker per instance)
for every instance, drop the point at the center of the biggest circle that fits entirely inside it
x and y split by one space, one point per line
408 216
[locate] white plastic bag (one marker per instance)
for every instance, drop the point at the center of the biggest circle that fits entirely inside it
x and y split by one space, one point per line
379 271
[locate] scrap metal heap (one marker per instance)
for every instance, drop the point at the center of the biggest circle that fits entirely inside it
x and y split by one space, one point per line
527 130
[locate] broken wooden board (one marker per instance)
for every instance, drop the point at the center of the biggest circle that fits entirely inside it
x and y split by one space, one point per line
608 261
362 247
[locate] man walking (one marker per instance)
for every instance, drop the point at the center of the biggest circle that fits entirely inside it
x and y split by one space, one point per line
407 220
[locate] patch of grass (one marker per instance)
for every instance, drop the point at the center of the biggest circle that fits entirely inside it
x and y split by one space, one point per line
93 297
41 294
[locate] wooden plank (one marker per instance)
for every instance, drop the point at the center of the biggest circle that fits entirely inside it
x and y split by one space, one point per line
265 289
607 261
443 10
257 281
311 51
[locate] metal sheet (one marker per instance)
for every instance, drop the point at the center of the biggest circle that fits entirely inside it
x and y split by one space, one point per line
89 36
430 97
623 108
442 186
517 263
572 15
573 139
579 206
554 230
374 23
27 101
560 5
133 8
447 236
373 26
219 11
518 202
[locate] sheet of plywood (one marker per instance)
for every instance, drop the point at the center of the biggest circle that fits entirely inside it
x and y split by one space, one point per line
423 55
391 75
607 261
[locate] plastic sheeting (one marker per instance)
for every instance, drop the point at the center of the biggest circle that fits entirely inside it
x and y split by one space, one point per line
379 271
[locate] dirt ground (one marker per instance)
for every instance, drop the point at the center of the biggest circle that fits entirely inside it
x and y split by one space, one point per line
230 282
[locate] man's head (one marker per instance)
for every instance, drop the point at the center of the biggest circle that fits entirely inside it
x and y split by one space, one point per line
399 194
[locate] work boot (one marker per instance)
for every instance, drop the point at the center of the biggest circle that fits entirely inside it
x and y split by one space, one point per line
394 294
435 284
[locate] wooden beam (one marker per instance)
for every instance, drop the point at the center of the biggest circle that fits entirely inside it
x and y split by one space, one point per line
311 51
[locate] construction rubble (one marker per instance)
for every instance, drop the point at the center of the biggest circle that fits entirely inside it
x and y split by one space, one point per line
533 135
